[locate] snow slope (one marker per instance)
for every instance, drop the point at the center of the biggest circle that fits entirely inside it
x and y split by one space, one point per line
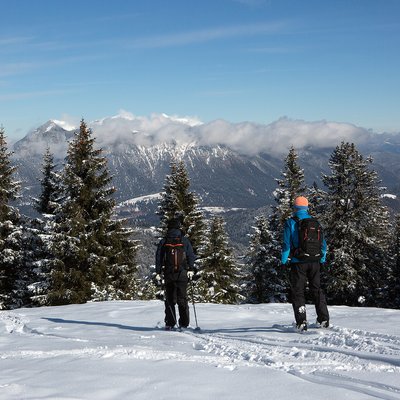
118 350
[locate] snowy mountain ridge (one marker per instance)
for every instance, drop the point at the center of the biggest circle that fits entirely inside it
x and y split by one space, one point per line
247 138
230 165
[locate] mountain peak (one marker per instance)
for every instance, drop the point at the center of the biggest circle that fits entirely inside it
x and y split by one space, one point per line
63 124
50 134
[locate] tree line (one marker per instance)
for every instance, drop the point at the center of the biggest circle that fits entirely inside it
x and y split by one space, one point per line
79 251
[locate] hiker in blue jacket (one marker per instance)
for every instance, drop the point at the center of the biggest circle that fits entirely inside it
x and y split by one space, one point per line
303 268
177 271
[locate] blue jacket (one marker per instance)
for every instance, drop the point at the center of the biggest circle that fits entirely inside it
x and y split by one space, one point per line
291 238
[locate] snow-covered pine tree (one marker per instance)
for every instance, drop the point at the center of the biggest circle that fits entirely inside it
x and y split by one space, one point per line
290 186
357 227
178 201
49 201
266 282
12 268
94 254
392 289
150 289
42 229
317 199
220 275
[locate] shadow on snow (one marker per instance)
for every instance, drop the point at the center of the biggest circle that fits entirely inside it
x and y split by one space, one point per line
265 329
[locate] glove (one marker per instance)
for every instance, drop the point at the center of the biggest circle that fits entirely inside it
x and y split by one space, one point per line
285 265
190 275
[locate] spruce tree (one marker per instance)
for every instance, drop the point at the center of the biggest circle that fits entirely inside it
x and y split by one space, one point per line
357 229
42 229
393 281
13 274
290 185
266 281
51 187
317 199
179 202
94 254
220 275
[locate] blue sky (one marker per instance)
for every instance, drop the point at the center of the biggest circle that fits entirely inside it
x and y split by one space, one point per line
238 60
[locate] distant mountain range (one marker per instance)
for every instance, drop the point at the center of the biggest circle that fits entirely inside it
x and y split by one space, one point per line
232 167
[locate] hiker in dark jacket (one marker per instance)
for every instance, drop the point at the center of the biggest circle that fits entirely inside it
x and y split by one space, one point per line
176 274
302 270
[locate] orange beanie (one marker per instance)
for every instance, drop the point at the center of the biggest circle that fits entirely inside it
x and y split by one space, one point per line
301 202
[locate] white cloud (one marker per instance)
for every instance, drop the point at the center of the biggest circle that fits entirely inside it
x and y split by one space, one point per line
245 137
126 129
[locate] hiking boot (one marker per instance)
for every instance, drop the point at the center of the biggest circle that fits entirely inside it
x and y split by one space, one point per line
168 328
302 327
324 324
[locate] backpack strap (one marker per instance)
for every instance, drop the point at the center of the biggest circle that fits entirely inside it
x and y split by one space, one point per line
293 249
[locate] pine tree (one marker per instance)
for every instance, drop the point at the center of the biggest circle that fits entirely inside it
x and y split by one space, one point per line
51 193
357 228
290 186
149 289
266 282
13 274
220 275
393 281
94 254
178 201
317 199
42 230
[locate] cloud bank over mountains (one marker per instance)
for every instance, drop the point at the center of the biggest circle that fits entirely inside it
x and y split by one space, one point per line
245 137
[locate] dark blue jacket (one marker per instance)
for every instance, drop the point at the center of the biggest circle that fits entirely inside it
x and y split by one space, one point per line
291 238
190 257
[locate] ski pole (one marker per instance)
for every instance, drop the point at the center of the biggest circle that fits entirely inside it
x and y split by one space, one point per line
194 307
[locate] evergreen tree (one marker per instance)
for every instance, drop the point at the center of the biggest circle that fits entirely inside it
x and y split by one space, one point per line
149 289
94 254
266 283
393 281
13 275
290 186
357 228
42 230
220 276
317 199
178 201
51 187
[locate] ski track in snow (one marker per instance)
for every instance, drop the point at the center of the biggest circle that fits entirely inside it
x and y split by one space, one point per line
320 356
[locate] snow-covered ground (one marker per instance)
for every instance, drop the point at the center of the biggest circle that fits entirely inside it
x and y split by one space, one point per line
118 350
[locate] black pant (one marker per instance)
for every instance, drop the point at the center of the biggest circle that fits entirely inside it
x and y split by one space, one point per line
299 275
176 294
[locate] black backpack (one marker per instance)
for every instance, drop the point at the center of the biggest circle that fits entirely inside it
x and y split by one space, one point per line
174 254
310 240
